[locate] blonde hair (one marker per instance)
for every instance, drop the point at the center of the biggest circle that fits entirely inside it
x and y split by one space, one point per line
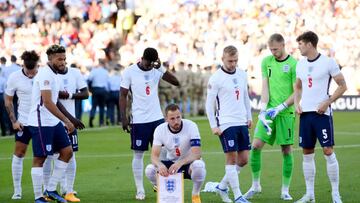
231 50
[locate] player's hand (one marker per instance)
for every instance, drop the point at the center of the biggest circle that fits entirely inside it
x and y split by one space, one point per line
249 123
273 112
163 171
323 107
17 126
156 64
216 131
265 122
77 123
174 168
63 95
125 124
69 126
298 108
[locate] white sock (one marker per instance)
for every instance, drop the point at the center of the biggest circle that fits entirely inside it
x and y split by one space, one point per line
17 170
223 183
70 175
37 180
285 189
47 166
58 172
138 167
238 169
150 172
233 179
198 173
332 166
309 173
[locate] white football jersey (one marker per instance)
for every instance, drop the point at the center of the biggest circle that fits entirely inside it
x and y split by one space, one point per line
70 82
144 89
177 145
315 78
45 79
227 102
21 84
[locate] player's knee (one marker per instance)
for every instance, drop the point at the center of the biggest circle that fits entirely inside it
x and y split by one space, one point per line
20 153
257 144
286 149
328 151
242 162
198 171
150 171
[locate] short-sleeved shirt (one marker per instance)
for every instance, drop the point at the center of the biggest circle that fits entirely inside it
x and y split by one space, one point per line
71 81
315 76
281 76
143 85
177 144
21 84
45 79
230 94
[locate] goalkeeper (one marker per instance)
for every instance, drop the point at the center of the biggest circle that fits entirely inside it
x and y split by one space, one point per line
277 117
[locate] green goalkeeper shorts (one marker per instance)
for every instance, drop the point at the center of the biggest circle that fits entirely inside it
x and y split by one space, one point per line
282 131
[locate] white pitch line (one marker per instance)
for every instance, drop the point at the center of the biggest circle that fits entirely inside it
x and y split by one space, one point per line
205 153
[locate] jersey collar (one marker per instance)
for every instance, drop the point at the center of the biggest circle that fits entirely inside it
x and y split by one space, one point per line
283 59
231 73
318 56
176 132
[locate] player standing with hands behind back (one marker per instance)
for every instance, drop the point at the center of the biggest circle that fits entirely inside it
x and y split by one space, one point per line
313 76
142 79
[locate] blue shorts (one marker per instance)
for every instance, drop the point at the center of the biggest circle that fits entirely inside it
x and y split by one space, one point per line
142 134
74 140
235 139
314 125
23 136
184 169
48 139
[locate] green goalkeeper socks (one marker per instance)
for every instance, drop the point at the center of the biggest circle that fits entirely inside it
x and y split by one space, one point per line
288 163
255 159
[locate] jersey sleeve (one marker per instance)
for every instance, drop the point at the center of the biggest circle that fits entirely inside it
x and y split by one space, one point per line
11 86
334 68
126 79
264 70
45 82
80 82
293 71
195 140
157 136
212 91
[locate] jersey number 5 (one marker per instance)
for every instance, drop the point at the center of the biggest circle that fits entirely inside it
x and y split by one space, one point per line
309 82
147 90
237 93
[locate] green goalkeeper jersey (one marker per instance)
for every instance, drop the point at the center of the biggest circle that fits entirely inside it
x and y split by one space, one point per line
281 76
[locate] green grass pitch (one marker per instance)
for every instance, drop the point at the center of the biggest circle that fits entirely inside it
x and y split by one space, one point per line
104 167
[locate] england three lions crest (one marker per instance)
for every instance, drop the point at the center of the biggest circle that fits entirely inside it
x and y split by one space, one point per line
170 185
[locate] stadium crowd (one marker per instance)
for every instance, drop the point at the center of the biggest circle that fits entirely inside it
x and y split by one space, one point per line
189 35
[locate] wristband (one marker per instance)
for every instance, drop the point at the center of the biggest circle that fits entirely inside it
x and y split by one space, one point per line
70 95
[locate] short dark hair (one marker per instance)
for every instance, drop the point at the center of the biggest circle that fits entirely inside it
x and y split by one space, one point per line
55 49
31 58
171 107
150 54
308 36
3 60
13 58
276 37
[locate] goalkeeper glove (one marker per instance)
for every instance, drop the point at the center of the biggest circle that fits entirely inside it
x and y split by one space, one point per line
265 122
273 112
